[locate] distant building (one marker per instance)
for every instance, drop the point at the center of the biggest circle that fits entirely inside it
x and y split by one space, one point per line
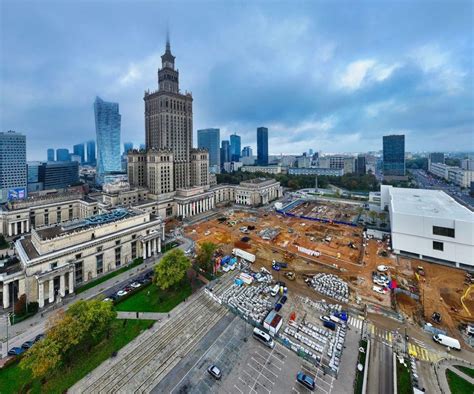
63 154
456 175
91 157
13 177
107 125
394 156
235 144
264 169
34 185
247 151
303 161
467 164
50 154
210 139
58 175
79 151
360 164
349 165
316 171
225 152
232 166
142 146
262 146
248 160
127 146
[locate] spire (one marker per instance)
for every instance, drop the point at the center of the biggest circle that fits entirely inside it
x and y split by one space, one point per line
168 46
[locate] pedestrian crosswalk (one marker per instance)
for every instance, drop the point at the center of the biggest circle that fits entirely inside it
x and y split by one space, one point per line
384 335
422 353
355 322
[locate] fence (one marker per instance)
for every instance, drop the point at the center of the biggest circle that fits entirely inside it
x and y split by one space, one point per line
408 293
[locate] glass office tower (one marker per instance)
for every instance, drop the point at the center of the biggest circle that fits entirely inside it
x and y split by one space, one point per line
210 139
91 159
235 147
262 146
63 155
50 154
80 151
13 178
107 127
394 155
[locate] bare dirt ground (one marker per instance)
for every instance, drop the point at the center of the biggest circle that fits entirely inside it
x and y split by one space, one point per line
440 290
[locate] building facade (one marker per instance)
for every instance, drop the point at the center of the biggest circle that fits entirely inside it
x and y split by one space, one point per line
256 192
394 156
13 176
169 119
107 126
262 146
235 147
79 150
263 169
91 154
50 154
430 224
58 175
247 151
316 171
360 164
62 154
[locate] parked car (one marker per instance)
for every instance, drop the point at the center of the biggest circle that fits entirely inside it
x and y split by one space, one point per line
214 371
306 380
39 337
325 318
382 268
28 344
380 290
128 289
283 299
135 285
16 351
108 299
121 293
278 307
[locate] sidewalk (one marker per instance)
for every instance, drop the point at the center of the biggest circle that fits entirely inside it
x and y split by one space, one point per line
444 365
142 315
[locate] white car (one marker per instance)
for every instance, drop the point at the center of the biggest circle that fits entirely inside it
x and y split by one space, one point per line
380 290
135 285
107 299
121 293
382 268
207 233
325 318
380 281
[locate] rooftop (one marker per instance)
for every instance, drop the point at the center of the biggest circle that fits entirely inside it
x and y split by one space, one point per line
433 203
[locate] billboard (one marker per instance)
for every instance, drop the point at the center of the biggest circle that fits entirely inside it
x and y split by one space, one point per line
17 193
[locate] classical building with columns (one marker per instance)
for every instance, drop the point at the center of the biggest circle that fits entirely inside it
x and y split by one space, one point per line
54 260
259 191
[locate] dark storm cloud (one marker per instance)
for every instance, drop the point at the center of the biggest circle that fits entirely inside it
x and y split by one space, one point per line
326 75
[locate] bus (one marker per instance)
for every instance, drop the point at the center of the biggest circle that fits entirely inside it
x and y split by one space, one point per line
263 337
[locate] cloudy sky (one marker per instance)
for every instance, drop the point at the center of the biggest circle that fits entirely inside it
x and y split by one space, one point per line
328 75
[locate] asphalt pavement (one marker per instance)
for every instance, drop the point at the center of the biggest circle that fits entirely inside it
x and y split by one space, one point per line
380 379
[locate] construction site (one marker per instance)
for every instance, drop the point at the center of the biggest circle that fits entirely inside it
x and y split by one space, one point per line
307 248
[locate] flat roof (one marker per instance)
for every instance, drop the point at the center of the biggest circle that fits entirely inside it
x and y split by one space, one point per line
433 203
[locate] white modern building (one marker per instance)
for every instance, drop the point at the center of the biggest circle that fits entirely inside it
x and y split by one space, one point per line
459 176
430 224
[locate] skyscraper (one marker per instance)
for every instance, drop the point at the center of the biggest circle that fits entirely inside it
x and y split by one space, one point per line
62 154
79 151
58 175
107 126
13 178
225 152
169 119
394 155
91 158
262 146
210 140
50 154
127 146
235 145
247 151
360 164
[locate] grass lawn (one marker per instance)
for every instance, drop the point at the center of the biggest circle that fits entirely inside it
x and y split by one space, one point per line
359 379
403 379
458 385
13 379
151 299
468 371
102 279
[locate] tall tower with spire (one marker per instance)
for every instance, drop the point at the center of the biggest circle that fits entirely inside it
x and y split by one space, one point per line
169 118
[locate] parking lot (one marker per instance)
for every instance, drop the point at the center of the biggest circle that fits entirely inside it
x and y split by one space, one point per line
247 366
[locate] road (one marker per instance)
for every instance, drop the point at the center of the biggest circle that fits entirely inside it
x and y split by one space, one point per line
380 379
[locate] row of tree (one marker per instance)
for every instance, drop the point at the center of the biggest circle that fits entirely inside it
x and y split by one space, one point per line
353 182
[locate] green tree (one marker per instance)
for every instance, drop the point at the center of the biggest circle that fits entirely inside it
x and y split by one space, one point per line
204 256
3 242
171 269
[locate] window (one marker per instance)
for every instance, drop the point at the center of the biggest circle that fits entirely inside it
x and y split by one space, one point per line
443 231
54 265
438 245
118 257
99 248
99 263
134 249
78 271
46 219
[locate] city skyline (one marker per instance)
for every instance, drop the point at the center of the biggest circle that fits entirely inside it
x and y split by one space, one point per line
347 92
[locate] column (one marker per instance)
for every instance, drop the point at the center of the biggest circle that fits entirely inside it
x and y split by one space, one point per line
27 226
155 249
21 286
41 294
159 245
15 229
6 295
149 248
22 227
71 282
51 290
144 250
62 285
10 229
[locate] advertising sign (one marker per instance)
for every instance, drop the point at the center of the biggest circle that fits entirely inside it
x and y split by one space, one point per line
17 193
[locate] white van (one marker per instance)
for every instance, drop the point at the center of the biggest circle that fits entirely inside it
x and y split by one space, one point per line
274 291
452 343
336 320
263 337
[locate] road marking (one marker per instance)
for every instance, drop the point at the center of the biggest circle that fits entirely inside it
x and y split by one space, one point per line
240 391
267 361
275 375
